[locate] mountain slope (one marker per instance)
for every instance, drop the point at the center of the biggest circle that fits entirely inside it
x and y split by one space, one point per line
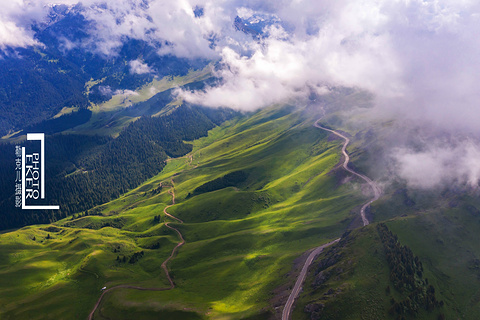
439 226
68 71
238 239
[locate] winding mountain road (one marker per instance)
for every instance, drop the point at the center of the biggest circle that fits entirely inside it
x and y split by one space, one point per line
301 278
375 188
164 264
376 191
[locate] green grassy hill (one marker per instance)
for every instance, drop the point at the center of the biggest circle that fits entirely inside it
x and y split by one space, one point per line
244 236
444 238
441 228
240 240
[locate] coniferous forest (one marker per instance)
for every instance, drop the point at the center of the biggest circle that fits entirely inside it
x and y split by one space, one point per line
84 171
406 274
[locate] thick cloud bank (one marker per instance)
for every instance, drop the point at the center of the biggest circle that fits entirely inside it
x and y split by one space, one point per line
439 165
419 58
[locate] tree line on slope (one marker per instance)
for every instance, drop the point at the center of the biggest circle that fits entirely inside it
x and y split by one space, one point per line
84 171
406 274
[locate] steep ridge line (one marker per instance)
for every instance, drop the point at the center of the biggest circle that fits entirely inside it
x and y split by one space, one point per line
164 264
303 273
301 278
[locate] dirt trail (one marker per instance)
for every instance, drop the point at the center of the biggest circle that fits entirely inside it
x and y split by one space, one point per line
190 160
376 191
164 264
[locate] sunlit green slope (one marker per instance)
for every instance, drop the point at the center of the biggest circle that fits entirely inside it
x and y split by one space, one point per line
240 240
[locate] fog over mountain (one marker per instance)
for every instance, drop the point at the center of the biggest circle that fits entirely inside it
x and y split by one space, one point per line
420 59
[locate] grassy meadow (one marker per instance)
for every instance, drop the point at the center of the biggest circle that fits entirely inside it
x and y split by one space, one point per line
440 226
240 240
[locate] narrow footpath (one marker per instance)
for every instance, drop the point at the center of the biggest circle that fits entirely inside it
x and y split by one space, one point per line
164 264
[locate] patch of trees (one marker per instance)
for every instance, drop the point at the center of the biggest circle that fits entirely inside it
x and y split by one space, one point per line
133 258
406 274
34 88
93 212
109 171
117 223
154 246
185 123
61 123
156 190
231 179
157 219
85 171
52 229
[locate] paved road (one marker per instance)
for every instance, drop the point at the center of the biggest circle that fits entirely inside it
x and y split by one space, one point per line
376 191
164 264
301 277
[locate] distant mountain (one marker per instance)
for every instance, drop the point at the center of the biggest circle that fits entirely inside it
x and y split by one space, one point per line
257 24
88 166
37 82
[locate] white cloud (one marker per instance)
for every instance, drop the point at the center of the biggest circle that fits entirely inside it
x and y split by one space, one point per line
16 17
250 83
439 165
153 90
138 67
125 92
171 25
418 57
343 52
14 36
105 90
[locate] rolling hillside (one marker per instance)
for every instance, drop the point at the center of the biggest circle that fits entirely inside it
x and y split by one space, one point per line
240 240
239 160
353 279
